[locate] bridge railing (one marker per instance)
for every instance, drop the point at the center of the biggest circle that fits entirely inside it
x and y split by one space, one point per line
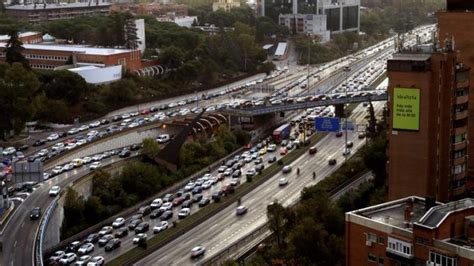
38 248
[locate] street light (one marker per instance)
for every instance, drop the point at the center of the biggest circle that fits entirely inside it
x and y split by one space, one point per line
346 70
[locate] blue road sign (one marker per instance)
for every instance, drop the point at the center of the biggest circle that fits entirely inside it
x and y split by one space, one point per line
327 124
350 126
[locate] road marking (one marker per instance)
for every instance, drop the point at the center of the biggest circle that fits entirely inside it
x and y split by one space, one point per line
22 224
14 244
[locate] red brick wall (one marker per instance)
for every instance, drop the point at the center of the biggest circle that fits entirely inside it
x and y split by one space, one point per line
356 249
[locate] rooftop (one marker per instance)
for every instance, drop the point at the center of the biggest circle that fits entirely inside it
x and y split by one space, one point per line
73 48
435 216
5 38
57 6
410 56
393 212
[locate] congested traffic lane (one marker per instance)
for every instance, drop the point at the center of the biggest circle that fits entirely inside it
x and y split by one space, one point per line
127 243
18 237
225 228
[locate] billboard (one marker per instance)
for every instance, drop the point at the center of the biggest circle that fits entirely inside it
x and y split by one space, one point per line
406 109
327 124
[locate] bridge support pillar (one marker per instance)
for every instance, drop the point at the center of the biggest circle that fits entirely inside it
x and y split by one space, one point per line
339 112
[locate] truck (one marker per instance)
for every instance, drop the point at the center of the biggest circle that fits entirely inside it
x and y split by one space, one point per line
281 133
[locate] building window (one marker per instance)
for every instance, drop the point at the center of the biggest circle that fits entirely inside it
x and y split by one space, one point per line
381 261
441 260
371 237
459 138
381 240
372 257
400 247
457 169
459 154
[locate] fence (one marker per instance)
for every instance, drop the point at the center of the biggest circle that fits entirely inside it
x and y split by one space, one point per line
38 248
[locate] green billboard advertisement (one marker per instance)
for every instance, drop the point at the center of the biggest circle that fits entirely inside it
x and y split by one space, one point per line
406 109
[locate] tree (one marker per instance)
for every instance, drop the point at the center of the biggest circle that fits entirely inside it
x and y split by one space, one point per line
14 49
17 89
150 148
372 121
171 56
277 222
64 85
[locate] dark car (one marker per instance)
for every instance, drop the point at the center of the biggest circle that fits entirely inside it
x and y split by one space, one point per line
135 147
142 227
236 173
350 144
134 223
259 167
168 198
62 134
121 232
332 161
216 196
145 210
272 159
73 247
92 238
22 147
35 213
313 150
166 215
187 204
197 190
156 213
197 197
105 239
39 142
113 244
136 216
104 121
124 153
179 193
339 134
116 118
204 202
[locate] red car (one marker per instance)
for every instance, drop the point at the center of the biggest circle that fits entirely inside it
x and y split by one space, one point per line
283 151
339 134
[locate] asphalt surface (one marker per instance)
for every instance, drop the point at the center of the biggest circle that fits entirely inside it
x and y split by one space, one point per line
225 228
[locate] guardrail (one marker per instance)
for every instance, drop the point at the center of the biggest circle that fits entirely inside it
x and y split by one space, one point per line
38 246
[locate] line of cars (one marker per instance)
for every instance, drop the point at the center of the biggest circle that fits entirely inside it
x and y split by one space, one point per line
158 215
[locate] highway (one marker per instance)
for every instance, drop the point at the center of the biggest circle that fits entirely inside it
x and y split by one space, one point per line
225 227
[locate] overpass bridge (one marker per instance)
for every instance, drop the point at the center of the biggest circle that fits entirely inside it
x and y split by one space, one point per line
285 107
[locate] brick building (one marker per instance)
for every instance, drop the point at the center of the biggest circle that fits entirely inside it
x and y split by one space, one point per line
41 56
457 22
41 13
25 37
428 122
411 231
153 9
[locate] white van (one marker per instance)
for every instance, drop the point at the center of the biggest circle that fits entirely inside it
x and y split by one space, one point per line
163 138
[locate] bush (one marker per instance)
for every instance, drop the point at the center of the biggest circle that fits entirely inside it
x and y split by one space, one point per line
280 162
249 179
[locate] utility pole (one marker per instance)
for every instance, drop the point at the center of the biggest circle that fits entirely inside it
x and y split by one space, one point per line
346 70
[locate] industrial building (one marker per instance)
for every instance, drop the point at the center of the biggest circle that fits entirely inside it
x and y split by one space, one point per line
411 231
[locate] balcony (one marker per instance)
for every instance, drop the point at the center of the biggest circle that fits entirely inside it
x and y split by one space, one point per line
460 176
459 191
460 115
460 145
459 130
462 84
462 99
459 160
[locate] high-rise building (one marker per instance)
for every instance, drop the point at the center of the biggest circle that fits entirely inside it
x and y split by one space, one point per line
457 22
307 24
411 231
428 123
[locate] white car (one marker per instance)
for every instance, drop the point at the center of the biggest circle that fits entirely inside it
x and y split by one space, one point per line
250 172
94 124
283 182
68 167
96 261
167 206
189 186
206 184
54 191
57 170
156 203
68 258
71 146
272 147
161 227
97 157
87 160
183 213
57 146
137 238
95 165
86 249
83 260
43 152
163 138
197 252
72 131
53 137
119 222
84 128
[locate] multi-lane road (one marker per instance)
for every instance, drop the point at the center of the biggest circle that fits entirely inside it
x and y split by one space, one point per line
225 228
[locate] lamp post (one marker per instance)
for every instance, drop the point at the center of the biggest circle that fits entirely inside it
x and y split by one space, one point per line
309 60
346 70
